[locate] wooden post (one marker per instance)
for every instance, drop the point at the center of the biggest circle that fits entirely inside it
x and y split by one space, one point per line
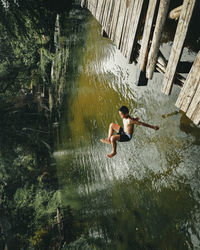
130 20
115 16
120 24
152 58
108 23
99 9
133 27
181 31
106 16
194 110
175 13
102 11
125 27
189 97
146 34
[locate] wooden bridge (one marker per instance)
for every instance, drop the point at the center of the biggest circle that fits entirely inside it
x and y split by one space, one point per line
120 20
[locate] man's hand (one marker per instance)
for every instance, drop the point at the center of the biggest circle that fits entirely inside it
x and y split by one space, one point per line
156 127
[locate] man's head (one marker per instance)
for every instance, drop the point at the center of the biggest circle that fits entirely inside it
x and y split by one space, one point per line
123 111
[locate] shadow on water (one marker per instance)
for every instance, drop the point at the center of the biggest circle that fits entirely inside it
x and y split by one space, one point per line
188 127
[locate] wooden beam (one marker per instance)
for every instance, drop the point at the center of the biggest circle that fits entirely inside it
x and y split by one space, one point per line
108 23
106 15
160 21
93 6
190 86
133 27
175 13
102 11
120 24
115 16
125 33
194 110
146 34
99 10
181 31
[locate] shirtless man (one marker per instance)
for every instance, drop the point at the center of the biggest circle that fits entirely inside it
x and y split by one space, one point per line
125 134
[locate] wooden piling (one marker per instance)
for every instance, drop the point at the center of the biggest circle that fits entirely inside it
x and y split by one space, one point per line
92 5
125 33
106 16
99 10
116 11
160 21
175 13
189 97
181 31
146 34
133 27
120 25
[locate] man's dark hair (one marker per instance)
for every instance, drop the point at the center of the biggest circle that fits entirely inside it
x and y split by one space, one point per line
124 110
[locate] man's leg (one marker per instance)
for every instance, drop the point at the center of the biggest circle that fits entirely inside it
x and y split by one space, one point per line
113 139
113 127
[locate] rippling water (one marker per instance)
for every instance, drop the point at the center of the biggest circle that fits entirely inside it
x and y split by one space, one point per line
147 196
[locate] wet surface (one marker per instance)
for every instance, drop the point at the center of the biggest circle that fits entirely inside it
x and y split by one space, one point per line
147 196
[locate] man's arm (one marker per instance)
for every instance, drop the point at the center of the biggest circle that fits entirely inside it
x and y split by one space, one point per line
137 122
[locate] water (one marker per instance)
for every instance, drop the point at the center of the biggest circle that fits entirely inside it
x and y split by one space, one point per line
147 196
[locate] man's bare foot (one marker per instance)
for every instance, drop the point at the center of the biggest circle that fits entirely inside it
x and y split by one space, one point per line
105 141
111 155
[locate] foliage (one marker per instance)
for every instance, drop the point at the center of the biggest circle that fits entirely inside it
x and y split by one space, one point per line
25 27
29 195
80 244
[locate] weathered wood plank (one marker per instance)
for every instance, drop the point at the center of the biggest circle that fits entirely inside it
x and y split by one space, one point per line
102 11
96 5
89 5
181 31
175 13
118 32
109 16
189 88
153 53
121 45
116 15
194 110
106 15
99 9
93 6
146 34
113 20
133 27
130 7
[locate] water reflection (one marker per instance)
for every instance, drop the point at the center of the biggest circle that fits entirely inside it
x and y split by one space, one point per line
147 196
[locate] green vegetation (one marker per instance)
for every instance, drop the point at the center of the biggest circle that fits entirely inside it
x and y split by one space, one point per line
32 69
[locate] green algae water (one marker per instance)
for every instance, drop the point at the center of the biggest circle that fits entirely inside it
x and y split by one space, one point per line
147 196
